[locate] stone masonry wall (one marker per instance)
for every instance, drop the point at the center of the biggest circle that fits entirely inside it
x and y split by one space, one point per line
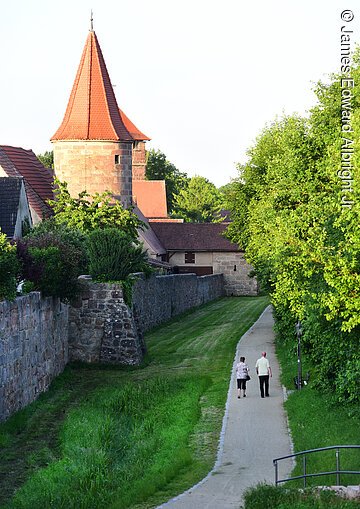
139 161
91 166
101 326
33 348
236 272
104 329
159 298
39 335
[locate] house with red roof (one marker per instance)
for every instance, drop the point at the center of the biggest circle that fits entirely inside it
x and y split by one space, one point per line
98 148
38 180
202 248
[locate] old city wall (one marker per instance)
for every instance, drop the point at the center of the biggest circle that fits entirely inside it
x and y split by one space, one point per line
38 336
102 328
33 348
158 299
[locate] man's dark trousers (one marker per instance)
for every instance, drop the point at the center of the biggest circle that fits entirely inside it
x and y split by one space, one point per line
264 380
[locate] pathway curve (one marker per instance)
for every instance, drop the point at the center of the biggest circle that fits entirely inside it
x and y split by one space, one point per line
254 432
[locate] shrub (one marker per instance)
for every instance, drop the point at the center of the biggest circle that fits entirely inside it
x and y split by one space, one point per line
331 352
68 235
113 256
335 354
51 264
9 269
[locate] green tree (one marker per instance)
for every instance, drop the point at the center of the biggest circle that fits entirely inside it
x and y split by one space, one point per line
9 269
47 158
199 202
159 168
304 245
87 213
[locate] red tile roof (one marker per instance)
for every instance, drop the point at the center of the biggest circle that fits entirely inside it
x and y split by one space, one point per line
136 134
150 197
18 162
193 236
92 112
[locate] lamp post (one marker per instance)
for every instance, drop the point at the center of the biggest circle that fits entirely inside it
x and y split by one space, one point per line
298 334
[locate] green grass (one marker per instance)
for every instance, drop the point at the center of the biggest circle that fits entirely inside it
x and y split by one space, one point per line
128 438
270 497
317 421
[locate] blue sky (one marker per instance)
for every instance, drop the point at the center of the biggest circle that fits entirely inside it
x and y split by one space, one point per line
200 77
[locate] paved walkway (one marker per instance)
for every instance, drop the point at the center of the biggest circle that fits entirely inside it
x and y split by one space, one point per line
254 432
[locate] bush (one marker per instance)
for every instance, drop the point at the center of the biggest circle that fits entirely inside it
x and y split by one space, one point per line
331 353
71 236
9 269
52 264
113 256
335 354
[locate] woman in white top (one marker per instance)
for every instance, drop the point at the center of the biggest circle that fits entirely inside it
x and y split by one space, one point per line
242 374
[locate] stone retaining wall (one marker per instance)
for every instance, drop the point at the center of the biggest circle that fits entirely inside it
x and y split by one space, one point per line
39 335
157 299
33 348
104 329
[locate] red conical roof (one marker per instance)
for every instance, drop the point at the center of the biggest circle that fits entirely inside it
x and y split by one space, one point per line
136 134
92 112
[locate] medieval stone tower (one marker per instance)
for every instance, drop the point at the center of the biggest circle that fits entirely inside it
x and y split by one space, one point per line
96 143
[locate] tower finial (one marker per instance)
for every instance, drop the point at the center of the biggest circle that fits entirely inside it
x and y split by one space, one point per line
91 21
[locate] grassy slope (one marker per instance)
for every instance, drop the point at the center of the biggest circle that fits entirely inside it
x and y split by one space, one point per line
96 440
316 421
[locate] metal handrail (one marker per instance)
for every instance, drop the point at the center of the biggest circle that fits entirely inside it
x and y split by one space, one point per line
305 475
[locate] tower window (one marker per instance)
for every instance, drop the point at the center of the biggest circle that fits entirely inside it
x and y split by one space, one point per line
117 159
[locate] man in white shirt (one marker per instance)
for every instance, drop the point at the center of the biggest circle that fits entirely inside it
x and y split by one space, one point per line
263 371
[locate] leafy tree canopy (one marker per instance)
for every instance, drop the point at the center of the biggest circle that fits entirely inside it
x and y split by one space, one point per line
87 213
47 158
288 209
199 202
159 168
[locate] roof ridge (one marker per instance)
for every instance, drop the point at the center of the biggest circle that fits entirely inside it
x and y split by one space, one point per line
101 61
89 87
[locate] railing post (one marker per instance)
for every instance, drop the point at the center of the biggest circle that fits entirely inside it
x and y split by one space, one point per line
276 472
338 471
337 467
